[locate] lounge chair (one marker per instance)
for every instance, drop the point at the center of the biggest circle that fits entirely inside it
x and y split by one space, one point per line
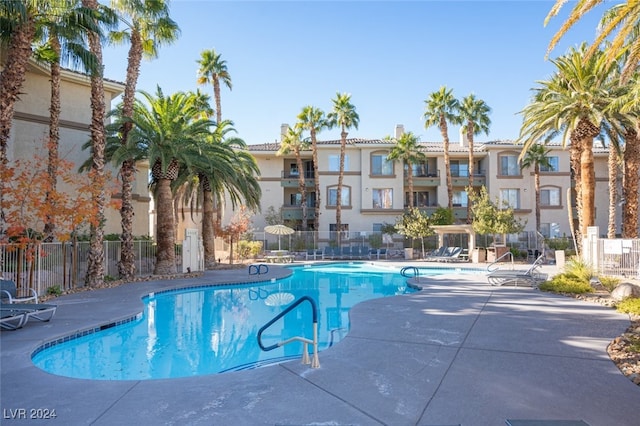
530 277
452 255
9 293
12 319
437 253
40 311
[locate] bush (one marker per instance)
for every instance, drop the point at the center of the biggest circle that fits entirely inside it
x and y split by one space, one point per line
54 290
609 282
630 305
579 269
566 283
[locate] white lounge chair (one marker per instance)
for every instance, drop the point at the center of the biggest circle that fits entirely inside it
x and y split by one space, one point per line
8 293
40 311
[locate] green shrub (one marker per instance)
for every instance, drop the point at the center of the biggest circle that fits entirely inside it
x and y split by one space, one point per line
630 305
54 290
609 282
109 278
566 283
579 269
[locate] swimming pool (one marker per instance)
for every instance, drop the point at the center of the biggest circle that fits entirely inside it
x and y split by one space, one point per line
208 330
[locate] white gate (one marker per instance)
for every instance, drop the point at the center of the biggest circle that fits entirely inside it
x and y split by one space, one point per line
192 252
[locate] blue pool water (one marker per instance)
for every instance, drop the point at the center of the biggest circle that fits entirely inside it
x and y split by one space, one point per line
213 329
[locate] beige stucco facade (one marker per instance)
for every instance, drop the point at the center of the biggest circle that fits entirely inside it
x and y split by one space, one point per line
496 166
30 130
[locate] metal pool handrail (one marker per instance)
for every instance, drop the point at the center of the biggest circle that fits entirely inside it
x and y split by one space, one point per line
405 271
498 260
315 362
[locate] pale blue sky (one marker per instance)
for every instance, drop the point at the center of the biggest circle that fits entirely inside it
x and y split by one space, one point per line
389 55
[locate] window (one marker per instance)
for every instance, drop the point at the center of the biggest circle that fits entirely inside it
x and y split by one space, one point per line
553 165
550 230
510 197
380 166
344 235
550 197
420 199
459 168
296 199
334 163
383 198
377 227
460 199
333 196
509 165
293 170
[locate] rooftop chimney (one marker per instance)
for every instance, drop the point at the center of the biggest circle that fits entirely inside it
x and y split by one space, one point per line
463 137
284 128
399 130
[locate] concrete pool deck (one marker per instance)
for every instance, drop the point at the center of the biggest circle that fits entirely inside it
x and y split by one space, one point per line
457 352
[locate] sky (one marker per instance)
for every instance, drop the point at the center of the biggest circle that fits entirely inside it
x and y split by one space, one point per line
389 55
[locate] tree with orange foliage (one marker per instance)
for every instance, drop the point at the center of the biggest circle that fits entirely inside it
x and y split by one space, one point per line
238 226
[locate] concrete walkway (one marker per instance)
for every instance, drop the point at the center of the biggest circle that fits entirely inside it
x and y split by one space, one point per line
457 352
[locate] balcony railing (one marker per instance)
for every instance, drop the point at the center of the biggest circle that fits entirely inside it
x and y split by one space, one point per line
290 179
294 212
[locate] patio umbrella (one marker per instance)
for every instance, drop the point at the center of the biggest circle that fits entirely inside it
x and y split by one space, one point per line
278 230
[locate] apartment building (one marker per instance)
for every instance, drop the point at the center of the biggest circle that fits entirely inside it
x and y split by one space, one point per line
375 189
30 131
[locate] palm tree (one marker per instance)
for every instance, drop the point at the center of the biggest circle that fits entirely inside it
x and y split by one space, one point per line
573 102
95 257
62 42
293 142
224 166
313 120
343 114
213 70
623 17
148 26
407 149
474 115
167 132
442 108
536 156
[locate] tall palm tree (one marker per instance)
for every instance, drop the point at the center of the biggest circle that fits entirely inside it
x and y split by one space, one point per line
313 120
407 149
343 115
536 156
573 102
442 108
623 18
147 27
293 142
474 115
95 257
62 42
167 132
213 70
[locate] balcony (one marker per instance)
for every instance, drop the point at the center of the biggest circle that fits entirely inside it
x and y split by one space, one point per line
479 179
294 212
425 179
290 179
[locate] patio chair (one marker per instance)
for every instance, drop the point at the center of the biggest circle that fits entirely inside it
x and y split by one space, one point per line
382 252
12 319
452 255
40 311
437 253
8 293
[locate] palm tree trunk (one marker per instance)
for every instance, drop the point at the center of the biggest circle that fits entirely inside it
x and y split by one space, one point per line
613 190
410 182
95 257
536 184
575 154
208 234
470 131
54 142
301 188
447 161
588 178
343 148
316 181
166 255
630 185
216 94
13 76
127 266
